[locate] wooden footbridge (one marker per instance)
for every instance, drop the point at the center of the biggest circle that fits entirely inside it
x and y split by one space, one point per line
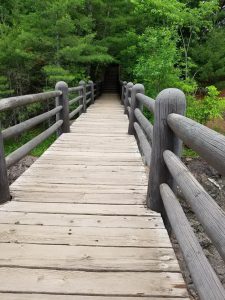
78 225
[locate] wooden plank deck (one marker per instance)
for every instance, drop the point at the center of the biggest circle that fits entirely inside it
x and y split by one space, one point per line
78 228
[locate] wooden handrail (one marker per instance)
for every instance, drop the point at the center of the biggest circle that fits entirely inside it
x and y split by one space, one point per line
22 127
167 171
208 143
61 125
204 277
13 102
18 154
208 212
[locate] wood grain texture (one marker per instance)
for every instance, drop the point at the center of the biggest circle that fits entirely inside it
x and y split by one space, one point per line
145 124
88 258
205 141
92 283
18 154
28 124
78 225
137 88
167 102
208 212
205 279
13 102
63 100
144 145
22 296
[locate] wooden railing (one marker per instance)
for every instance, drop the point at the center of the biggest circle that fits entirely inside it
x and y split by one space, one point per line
87 93
161 146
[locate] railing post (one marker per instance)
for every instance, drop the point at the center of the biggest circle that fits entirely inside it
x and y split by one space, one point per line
137 88
92 91
4 184
127 95
167 102
123 91
83 84
64 102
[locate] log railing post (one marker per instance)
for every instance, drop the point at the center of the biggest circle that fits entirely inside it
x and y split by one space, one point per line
123 90
167 102
64 102
127 95
4 184
137 88
82 83
92 91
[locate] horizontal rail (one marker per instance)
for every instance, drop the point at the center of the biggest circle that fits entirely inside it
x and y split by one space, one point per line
13 102
28 124
208 212
75 89
75 111
18 154
146 101
206 142
204 277
75 100
144 144
145 123
88 101
88 94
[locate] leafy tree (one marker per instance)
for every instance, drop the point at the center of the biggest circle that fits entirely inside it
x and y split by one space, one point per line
155 65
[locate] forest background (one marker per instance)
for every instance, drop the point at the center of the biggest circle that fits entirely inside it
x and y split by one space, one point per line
176 43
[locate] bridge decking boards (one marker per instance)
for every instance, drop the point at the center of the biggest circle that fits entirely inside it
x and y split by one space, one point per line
77 227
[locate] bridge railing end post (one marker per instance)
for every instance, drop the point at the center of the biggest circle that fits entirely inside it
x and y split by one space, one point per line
167 102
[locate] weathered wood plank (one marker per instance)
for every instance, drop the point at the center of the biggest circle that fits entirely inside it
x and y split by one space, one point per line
73 208
72 197
103 178
74 220
80 236
87 188
88 258
29 296
92 283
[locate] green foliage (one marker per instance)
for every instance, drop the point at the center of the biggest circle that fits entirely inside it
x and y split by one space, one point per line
155 65
187 152
210 65
206 109
5 90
